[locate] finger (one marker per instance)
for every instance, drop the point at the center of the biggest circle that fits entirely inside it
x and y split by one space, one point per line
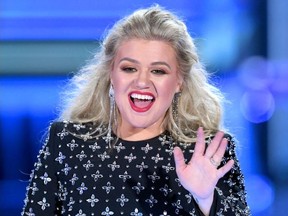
179 159
221 150
223 170
213 146
200 143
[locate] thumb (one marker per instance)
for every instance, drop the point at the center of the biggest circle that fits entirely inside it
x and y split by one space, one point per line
179 159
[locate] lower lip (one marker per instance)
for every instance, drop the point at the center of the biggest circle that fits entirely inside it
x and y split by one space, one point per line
138 109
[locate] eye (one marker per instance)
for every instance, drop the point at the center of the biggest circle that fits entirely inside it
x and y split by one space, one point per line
129 69
158 71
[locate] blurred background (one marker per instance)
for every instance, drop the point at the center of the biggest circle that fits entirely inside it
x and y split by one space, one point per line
242 42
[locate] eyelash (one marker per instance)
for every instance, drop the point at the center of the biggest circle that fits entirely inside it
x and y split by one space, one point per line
159 71
131 70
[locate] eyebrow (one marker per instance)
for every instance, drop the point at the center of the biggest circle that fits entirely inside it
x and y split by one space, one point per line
153 63
130 60
161 63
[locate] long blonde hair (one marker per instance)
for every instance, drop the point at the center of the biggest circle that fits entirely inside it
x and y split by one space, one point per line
200 102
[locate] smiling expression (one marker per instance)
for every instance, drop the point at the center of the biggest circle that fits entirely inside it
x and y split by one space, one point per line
145 78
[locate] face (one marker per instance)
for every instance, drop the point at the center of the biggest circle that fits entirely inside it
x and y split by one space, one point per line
145 78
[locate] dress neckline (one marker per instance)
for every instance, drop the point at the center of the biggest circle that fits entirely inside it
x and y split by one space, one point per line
148 140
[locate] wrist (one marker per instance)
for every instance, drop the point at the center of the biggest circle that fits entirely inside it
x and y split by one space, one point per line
205 204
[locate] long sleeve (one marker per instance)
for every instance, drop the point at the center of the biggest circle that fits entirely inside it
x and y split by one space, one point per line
41 197
78 174
230 193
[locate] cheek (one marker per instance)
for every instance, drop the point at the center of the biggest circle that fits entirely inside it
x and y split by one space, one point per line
120 92
169 88
118 83
165 97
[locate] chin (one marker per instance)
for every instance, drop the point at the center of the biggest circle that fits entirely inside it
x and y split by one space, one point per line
141 125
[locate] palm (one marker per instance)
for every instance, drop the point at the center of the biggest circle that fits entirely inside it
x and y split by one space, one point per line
200 176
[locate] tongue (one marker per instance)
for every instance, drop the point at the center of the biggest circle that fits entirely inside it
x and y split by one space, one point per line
141 103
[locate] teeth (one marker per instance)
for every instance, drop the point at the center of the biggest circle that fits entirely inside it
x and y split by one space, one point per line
141 97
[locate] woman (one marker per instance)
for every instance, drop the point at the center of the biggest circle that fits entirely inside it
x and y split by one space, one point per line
141 133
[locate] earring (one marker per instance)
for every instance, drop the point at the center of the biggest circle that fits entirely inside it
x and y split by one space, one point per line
175 106
109 137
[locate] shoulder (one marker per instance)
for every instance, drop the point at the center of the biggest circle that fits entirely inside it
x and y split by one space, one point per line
230 152
84 130
231 141
72 126
58 126
231 146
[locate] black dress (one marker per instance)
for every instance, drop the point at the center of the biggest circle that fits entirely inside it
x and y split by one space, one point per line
77 174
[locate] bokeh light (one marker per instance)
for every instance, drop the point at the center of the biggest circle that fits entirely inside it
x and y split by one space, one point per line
257 105
261 192
256 72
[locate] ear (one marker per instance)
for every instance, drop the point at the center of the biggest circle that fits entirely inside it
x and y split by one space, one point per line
179 84
111 79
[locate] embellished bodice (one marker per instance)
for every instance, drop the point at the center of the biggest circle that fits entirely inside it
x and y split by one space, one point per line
80 175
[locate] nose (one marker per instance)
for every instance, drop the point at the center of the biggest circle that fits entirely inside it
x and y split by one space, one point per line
142 80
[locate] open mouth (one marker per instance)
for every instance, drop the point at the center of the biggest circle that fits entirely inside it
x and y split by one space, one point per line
141 102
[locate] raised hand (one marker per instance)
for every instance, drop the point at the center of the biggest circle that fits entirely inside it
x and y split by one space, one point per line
201 174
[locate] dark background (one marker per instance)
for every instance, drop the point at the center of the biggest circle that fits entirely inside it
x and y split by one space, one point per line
243 42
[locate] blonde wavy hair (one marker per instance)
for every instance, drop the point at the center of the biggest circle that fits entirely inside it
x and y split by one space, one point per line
199 103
